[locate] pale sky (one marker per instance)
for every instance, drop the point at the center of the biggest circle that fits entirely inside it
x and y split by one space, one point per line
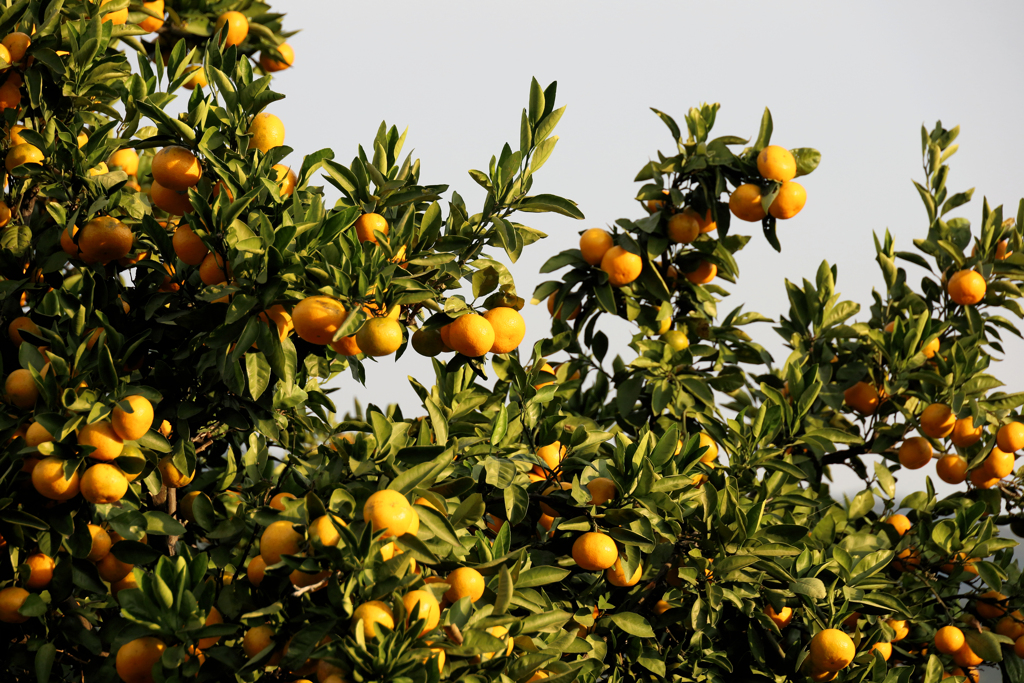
854 80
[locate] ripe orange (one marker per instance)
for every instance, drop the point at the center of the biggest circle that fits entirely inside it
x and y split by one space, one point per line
213 270
980 478
965 656
712 448
552 455
172 477
388 511
118 17
1011 626
951 469
1010 437
965 433
464 582
20 389
421 604
862 397
173 202
256 640
745 203
279 538
317 318
277 502
683 228
176 168
545 508
949 639
373 613
594 551
40 568
198 79
282 320
49 480
622 266
379 337
100 543
937 421
899 522
616 575
11 600
915 452
237 28
112 569
594 243
931 348
127 159
106 443
602 489
998 464
132 426
103 483
987 607
780 618
22 154
348 346
704 273
831 650
105 239
368 223
471 335
17 325
776 163
255 570
266 131
551 308
899 627
152 24
286 179
659 204
789 202
188 246
214 617
271 64
17 43
966 287
509 329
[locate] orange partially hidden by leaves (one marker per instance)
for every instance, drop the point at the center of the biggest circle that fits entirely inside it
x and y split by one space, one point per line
266 132
105 442
862 397
780 618
22 154
153 24
616 575
704 273
40 571
683 228
789 201
286 179
602 490
17 325
551 308
998 464
622 267
134 425
509 329
745 203
17 44
372 614
899 522
118 17
11 600
279 538
213 270
272 64
388 511
317 318
127 159
966 287
348 346
105 239
594 243
369 223
237 27
170 475
49 480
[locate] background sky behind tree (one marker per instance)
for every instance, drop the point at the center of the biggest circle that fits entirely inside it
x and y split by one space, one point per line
854 81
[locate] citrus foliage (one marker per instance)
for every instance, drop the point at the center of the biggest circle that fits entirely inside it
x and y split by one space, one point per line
179 501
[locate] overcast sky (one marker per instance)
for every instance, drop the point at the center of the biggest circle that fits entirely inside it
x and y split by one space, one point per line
854 80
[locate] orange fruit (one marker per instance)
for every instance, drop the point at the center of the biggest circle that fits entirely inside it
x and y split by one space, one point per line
621 266
616 575
552 455
11 600
282 320
213 618
176 168
103 484
594 551
368 223
152 24
266 132
683 228
1010 626
24 153
100 545
67 242
899 522
255 570
379 337
704 273
213 270
831 650
277 502
602 489
464 582
965 656
118 17
745 203
20 389
271 64
862 397
17 44
428 343
509 329
348 346
388 511
780 618
931 348
188 246
279 538
981 478
105 239
136 659
712 448
965 433
134 425
966 287
998 464
915 452
659 204
198 79
172 477
789 201
471 335
987 607
237 28
677 339
1010 437
17 325
937 421
106 443
776 163
112 569
258 639
899 627
421 604
323 531
949 639
1018 647
127 159
373 613
40 571
551 308
317 318
173 202
49 480
594 243
545 368
951 469
286 179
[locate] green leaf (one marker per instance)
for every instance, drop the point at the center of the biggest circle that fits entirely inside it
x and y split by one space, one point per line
162 524
543 203
45 656
504 591
809 586
764 134
807 160
540 576
631 623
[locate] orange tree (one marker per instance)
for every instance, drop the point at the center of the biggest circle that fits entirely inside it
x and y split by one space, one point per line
179 501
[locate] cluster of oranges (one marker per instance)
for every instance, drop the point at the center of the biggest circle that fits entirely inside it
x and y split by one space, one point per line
776 164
